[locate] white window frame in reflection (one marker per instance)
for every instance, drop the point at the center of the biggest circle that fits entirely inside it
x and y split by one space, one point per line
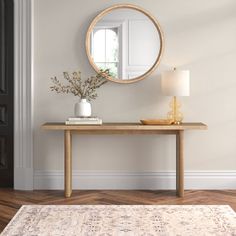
109 25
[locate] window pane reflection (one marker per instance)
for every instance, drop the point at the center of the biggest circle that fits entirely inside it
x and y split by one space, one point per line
105 49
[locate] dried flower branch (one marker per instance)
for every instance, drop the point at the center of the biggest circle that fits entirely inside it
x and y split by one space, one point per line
83 89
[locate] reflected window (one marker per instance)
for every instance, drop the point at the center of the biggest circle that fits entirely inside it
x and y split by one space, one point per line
105 49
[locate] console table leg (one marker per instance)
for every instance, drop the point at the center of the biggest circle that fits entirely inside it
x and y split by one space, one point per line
68 164
180 163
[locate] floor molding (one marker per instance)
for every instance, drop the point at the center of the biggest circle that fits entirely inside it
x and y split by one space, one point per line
135 180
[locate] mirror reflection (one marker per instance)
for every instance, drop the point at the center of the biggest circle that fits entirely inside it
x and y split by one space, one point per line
105 47
126 42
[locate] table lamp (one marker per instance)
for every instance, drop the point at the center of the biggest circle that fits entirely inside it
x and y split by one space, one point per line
175 83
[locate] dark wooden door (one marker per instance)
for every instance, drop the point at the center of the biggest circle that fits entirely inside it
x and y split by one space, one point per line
6 93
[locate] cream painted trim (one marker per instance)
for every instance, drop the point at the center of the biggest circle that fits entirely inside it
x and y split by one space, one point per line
23 71
136 180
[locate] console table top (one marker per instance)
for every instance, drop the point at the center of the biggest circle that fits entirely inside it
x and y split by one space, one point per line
123 126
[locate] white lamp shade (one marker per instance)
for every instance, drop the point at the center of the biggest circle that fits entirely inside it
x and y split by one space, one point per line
175 83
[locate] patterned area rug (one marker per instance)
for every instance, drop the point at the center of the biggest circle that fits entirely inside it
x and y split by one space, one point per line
122 220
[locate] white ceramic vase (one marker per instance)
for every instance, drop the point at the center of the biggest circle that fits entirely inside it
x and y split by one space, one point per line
83 108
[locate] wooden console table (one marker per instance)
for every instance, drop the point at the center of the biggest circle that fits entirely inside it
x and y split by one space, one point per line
124 128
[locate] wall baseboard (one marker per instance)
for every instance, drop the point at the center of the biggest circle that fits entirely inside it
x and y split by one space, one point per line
24 181
135 180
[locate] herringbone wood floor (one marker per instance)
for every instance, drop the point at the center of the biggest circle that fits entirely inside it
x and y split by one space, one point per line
11 201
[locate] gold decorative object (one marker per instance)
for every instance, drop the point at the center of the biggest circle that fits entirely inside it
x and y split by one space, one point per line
157 121
175 115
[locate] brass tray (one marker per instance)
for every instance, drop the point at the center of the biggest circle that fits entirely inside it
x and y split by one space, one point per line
157 122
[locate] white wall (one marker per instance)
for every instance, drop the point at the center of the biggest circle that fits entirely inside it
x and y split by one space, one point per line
199 36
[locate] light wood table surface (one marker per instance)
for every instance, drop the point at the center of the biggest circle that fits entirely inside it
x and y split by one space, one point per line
124 128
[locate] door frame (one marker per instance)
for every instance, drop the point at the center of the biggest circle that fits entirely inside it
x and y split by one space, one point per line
23 94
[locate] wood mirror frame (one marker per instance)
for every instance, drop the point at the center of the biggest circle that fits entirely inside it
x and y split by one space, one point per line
125 6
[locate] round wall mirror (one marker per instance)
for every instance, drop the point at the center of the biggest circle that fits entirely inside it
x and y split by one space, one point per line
125 40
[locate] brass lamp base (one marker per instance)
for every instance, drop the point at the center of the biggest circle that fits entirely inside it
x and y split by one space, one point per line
175 113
